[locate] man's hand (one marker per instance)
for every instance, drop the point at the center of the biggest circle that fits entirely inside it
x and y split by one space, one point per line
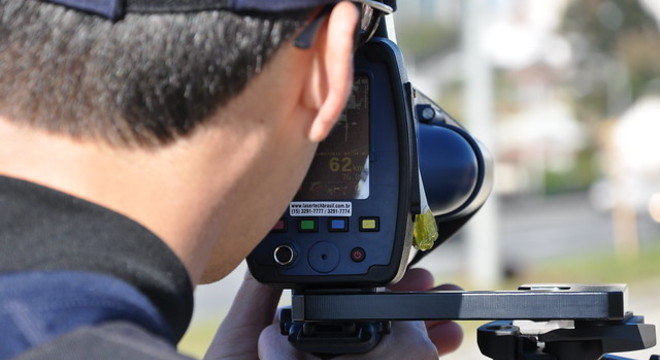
445 335
253 310
249 332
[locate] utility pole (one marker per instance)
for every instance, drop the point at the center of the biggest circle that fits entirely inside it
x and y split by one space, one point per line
483 249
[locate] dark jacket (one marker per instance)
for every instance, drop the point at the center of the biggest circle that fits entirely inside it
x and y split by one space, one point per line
78 281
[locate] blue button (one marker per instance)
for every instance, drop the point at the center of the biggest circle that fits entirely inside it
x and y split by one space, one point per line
338 225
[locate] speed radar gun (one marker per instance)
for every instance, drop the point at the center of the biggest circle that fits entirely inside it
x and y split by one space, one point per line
396 178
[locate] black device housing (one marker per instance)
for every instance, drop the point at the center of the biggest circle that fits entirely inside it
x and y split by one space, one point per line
378 60
410 136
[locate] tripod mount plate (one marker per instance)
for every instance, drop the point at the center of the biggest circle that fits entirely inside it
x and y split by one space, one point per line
540 302
340 322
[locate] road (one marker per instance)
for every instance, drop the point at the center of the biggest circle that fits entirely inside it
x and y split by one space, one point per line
534 229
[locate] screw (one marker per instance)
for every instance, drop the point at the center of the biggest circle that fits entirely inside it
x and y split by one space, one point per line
428 113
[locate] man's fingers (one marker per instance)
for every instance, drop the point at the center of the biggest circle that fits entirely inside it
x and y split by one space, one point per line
275 346
431 323
252 310
408 340
271 346
414 280
443 287
446 336
448 287
254 304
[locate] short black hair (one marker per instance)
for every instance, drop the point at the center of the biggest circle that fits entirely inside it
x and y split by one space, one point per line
143 81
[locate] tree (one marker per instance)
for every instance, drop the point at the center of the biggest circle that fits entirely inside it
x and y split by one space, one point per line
615 45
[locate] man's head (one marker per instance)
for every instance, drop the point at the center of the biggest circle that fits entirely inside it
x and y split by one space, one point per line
145 80
199 125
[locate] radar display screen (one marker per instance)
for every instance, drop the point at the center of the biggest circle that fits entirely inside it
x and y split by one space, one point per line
340 169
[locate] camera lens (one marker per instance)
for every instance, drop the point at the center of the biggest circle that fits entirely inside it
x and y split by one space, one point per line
284 255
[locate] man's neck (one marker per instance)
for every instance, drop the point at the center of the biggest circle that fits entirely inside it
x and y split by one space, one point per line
166 189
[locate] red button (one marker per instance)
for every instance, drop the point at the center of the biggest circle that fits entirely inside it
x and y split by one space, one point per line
280 226
358 254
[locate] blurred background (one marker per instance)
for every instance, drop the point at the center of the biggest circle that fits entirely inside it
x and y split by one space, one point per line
566 94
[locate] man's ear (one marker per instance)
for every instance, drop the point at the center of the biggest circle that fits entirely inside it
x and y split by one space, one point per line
331 75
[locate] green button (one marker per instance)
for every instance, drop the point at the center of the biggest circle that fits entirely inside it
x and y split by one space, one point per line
308 225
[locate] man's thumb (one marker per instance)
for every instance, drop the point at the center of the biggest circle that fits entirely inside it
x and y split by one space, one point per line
254 304
253 309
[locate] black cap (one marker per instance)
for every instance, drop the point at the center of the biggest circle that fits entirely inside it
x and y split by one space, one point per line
117 9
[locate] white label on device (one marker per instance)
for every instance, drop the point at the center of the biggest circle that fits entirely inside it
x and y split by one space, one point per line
321 208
